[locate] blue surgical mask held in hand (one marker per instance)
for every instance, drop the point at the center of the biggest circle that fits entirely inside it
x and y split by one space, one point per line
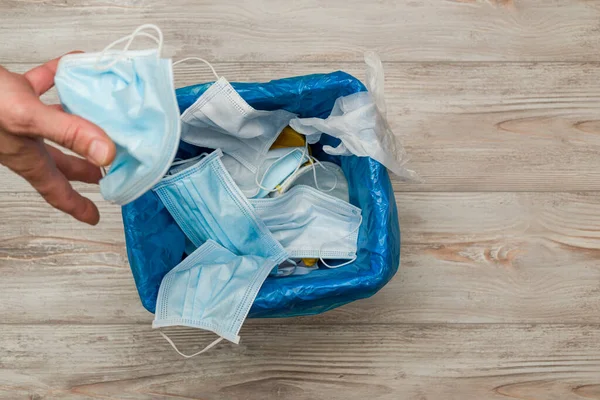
312 224
212 289
130 95
207 204
221 119
359 121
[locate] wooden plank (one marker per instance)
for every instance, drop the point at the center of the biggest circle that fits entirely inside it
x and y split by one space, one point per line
305 362
466 257
26 215
53 279
466 126
271 30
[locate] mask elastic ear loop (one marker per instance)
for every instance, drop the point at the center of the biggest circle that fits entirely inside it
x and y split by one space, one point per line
129 39
210 346
313 162
175 163
198 59
337 240
139 30
270 190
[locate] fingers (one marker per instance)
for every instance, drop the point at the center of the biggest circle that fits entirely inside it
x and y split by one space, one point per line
74 168
64 198
58 192
37 167
61 195
29 116
74 133
41 78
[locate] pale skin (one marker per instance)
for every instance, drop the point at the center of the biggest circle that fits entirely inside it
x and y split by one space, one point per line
25 122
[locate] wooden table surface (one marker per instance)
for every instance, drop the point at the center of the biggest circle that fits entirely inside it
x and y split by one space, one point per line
498 294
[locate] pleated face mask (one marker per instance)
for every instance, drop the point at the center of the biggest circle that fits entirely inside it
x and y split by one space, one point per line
205 202
312 224
212 289
130 95
221 119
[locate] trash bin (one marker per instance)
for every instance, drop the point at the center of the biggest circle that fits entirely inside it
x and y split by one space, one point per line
156 244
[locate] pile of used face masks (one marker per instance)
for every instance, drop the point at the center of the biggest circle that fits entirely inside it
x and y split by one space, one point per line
255 203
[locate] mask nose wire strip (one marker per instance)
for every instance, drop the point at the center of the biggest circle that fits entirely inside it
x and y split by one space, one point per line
210 346
336 240
129 39
198 59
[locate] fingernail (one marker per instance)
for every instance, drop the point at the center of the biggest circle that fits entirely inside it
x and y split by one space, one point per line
98 152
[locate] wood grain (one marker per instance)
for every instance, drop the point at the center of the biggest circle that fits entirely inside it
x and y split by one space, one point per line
272 30
466 257
498 295
27 215
305 362
466 126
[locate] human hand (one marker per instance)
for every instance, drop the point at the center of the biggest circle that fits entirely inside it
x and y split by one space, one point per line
24 124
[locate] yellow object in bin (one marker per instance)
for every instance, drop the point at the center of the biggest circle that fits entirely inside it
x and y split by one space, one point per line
289 138
309 262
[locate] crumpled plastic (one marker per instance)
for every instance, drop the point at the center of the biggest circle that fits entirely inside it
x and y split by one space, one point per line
359 120
155 244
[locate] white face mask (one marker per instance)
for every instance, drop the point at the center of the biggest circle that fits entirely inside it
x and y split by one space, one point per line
326 176
276 167
221 119
311 224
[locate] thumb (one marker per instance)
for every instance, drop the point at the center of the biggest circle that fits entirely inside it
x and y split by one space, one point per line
74 133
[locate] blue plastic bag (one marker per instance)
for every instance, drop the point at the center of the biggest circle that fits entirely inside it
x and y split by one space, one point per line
155 244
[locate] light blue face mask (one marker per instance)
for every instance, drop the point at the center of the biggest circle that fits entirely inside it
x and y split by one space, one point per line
130 95
221 119
277 165
206 204
212 289
312 224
